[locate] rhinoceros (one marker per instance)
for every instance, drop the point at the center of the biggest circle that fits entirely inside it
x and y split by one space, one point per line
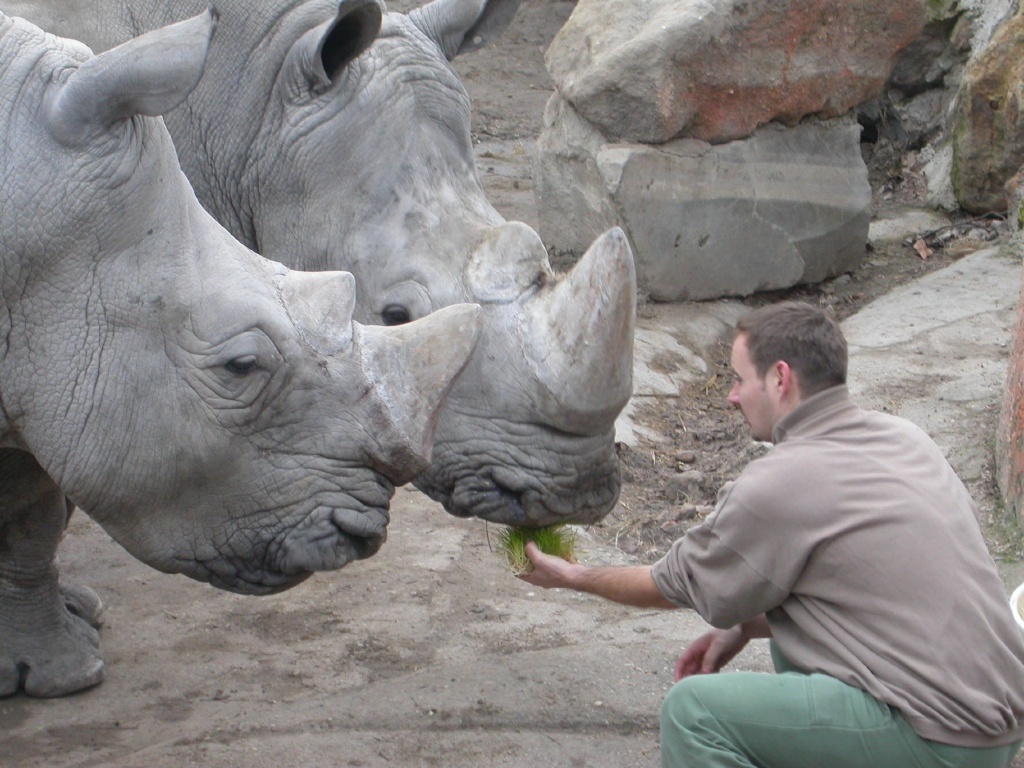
219 414
335 135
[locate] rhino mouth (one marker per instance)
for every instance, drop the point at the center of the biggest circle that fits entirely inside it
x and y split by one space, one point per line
500 495
327 539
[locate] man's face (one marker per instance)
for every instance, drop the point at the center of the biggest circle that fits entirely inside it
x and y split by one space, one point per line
757 398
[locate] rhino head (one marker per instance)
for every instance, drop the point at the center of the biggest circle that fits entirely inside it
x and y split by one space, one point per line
360 158
219 414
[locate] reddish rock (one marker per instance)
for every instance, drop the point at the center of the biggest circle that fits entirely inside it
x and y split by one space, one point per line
716 70
1010 431
1014 191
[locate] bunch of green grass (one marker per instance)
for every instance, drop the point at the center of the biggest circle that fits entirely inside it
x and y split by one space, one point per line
557 540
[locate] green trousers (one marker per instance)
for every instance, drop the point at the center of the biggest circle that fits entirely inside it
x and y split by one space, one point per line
796 720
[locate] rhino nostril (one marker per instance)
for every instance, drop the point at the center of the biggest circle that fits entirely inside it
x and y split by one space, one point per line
487 498
509 492
506 503
366 547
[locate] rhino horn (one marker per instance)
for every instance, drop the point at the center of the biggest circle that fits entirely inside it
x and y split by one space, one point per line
580 337
150 75
412 367
321 306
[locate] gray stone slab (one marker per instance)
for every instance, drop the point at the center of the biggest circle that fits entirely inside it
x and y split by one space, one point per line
784 207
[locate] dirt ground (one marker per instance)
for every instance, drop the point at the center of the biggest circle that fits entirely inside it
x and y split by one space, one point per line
429 654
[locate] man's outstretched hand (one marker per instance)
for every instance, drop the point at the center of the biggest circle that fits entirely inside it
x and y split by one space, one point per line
628 585
549 572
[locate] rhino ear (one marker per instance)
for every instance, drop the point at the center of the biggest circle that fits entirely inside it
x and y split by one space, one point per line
150 75
323 53
461 26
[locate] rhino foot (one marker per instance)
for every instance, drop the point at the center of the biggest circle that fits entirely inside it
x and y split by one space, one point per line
50 663
84 603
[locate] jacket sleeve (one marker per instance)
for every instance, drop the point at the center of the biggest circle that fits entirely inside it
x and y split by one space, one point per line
740 563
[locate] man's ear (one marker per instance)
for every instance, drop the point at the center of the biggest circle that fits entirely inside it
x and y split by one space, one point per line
788 382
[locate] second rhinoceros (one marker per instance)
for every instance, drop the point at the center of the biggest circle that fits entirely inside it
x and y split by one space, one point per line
335 135
218 414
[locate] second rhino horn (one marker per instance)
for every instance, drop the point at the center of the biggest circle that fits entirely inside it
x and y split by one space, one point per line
321 305
412 368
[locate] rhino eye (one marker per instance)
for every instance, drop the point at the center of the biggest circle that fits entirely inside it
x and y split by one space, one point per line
241 366
395 314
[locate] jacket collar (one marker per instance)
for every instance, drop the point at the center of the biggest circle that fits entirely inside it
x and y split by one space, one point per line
802 418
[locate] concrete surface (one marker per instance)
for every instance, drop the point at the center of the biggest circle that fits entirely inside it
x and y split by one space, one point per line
936 351
430 653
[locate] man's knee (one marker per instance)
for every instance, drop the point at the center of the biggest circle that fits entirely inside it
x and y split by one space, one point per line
689 726
686 711
683 706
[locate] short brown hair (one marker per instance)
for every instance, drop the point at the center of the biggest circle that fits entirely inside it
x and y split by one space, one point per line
806 337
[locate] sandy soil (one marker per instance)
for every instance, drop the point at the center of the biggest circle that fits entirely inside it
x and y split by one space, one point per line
428 654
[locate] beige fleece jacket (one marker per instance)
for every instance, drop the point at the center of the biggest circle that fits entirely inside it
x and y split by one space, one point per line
863 547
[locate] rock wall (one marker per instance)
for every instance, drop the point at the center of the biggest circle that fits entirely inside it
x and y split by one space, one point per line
987 131
638 78
961 32
719 134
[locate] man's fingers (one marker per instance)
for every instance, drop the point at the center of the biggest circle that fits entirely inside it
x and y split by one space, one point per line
683 668
689 662
533 554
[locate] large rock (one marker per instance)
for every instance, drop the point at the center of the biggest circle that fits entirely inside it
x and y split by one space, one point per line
988 122
1010 430
717 69
911 99
786 206
985 16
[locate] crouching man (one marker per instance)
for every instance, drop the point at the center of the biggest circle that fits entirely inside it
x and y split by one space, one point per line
852 545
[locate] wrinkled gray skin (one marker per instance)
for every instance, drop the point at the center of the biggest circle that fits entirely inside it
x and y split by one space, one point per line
218 414
332 136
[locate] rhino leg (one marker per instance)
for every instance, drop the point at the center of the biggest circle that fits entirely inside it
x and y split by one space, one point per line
81 600
45 649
